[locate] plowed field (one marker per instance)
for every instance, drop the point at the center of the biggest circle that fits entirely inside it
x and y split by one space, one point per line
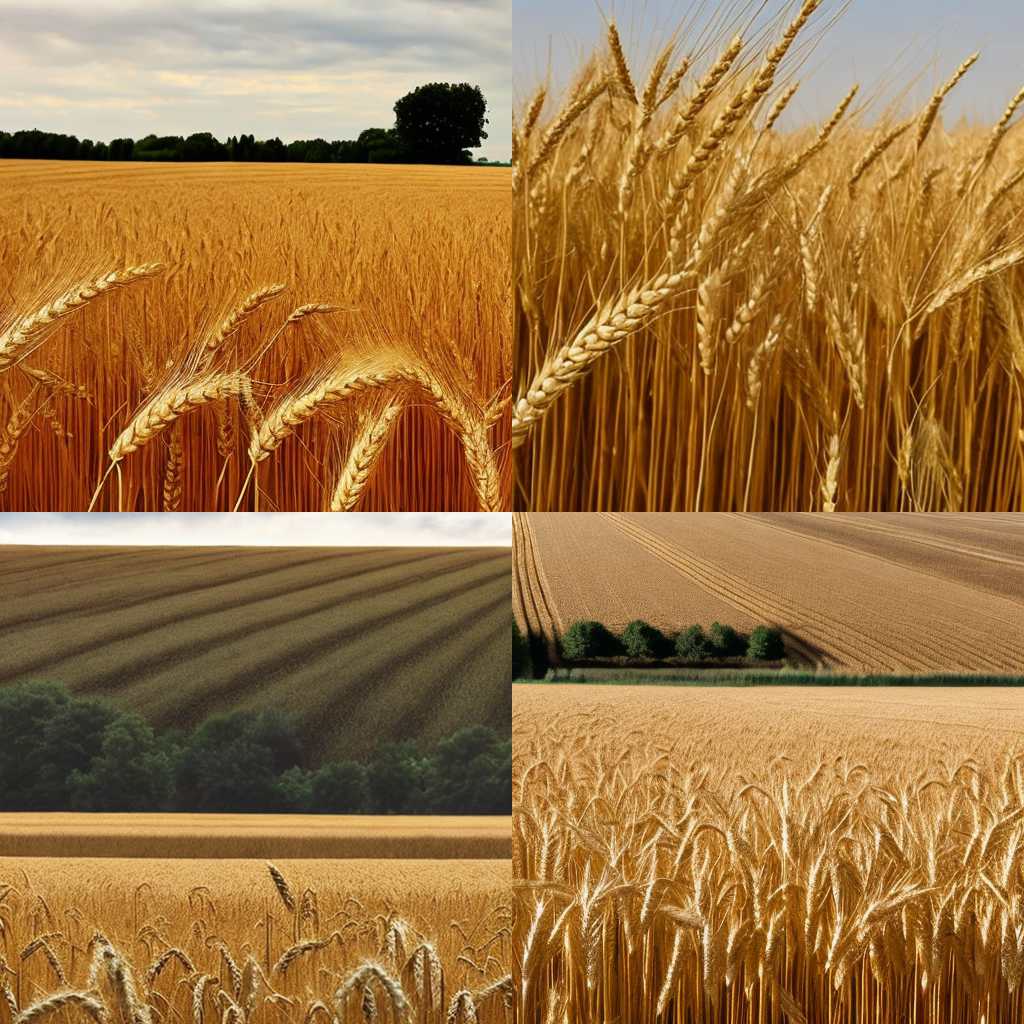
362 645
898 593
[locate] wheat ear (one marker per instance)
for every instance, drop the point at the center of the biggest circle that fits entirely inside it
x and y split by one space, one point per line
234 320
59 1001
27 333
174 402
368 445
628 314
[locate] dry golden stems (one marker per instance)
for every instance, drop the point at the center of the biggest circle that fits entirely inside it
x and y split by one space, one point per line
898 289
829 891
233 322
362 457
26 333
471 428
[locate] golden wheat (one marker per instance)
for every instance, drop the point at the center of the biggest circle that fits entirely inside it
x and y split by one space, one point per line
662 879
783 304
277 274
170 957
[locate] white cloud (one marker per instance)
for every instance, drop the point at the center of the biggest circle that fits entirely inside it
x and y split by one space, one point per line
261 529
295 69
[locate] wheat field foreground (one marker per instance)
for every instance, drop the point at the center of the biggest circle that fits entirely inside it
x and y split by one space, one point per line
233 836
276 337
207 942
784 855
721 306
869 593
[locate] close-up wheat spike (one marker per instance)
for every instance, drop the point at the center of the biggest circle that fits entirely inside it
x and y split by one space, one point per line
721 305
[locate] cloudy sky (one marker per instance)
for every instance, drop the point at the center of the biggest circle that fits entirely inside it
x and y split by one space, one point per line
300 529
290 68
889 46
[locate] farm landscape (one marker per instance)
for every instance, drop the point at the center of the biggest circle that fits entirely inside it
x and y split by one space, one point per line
255 783
864 594
689 850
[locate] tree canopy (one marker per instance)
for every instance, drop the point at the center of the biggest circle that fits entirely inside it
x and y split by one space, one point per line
435 123
440 122
59 752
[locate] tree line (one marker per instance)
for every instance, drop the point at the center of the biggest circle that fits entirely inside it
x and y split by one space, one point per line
436 123
59 752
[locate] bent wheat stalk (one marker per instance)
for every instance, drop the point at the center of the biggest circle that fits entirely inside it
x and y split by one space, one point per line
26 334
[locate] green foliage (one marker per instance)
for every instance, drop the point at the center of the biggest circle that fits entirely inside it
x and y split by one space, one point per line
440 122
436 123
642 642
693 645
765 644
588 639
60 753
725 641
341 788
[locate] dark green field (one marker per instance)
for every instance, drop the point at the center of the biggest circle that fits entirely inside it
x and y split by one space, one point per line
362 645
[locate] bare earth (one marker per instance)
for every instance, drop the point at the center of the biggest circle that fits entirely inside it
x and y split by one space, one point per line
171 836
906 593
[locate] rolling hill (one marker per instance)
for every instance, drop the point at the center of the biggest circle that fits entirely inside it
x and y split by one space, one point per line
362 645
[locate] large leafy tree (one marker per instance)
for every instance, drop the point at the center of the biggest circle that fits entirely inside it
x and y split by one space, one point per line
441 121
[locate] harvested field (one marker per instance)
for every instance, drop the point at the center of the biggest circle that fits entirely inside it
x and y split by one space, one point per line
903 593
286 337
223 836
855 856
194 940
361 645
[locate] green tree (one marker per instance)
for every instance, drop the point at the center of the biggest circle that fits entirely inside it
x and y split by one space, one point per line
766 644
725 641
588 639
340 787
232 762
132 772
441 121
469 774
642 642
398 778
693 645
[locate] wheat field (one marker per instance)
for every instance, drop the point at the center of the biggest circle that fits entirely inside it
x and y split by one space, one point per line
768 856
148 942
910 593
722 307
253 337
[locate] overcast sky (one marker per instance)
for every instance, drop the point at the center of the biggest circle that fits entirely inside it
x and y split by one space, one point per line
300 529
102 69
885 45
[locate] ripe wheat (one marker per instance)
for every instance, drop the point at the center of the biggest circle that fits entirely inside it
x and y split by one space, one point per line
789 309
269 281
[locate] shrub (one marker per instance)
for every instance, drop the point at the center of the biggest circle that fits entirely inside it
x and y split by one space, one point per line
765 644
725 641
588 639
693 645
640 640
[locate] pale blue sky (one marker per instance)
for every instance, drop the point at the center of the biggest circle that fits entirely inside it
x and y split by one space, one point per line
886 45
286 529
